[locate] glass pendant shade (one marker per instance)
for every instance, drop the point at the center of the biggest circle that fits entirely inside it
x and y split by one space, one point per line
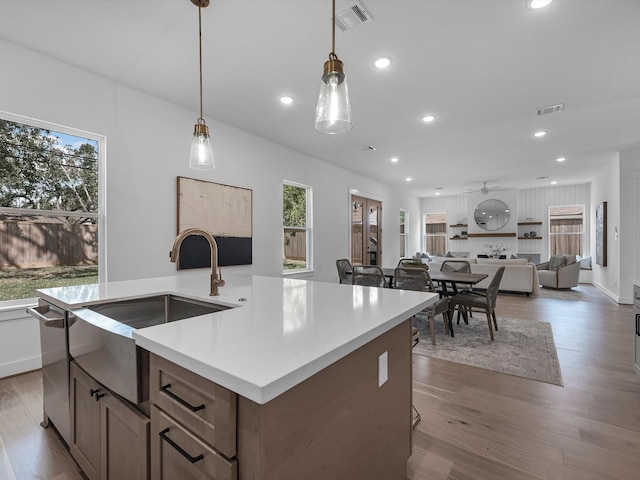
201 157
333 114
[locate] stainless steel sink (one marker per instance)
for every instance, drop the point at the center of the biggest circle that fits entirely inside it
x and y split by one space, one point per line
150 311
101 342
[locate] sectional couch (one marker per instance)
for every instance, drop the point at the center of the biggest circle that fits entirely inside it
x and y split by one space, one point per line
519 275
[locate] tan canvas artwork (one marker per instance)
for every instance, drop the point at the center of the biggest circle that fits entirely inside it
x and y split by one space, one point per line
224 211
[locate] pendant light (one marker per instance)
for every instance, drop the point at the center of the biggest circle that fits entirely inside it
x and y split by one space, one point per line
333 114
201 157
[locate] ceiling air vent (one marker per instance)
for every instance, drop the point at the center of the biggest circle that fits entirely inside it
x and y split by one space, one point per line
550 109
367 148
351 15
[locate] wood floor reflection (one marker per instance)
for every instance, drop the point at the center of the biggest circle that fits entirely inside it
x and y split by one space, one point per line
476 424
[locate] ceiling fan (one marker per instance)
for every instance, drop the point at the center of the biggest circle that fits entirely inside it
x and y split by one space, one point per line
484 190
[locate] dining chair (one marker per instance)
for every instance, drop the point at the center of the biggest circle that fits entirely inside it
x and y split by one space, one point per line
412 262
368 276
469 300
344 270
418 279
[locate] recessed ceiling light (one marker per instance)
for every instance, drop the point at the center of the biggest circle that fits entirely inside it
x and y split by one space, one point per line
540 134
536 4
286 100
409 179
554 182
394 159
437 193
382 62
428 118
561 159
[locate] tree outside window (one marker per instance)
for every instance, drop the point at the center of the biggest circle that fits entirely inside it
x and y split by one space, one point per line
48 209
296 233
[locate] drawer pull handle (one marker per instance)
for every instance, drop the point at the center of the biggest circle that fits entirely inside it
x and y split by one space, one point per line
165 389
163 435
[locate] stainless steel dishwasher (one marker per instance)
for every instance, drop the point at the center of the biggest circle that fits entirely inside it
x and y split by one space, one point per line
55 366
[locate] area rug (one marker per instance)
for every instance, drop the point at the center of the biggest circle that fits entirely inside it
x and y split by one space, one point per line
573 294
524 348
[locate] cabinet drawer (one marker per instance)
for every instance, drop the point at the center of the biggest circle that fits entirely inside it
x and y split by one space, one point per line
205 408
176 453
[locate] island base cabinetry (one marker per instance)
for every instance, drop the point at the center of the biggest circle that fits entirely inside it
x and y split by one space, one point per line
341 423
109 438
337 424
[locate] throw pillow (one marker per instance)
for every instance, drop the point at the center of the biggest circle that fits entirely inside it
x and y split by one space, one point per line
557 261
513 257
448 255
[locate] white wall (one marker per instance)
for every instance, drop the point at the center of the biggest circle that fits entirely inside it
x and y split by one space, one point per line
629 229
531 203
606 188
148 143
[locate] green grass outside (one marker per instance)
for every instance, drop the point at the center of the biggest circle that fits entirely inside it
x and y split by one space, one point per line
288 264
18 283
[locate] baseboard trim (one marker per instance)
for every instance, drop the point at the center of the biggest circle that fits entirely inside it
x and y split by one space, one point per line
21 366
616 298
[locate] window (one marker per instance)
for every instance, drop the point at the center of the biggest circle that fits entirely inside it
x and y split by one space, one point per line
404 220
566 230
435 236
296 227
49 212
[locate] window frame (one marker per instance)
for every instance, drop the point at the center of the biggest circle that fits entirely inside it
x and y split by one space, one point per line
100 215
426 235
404 235
551 235
308 228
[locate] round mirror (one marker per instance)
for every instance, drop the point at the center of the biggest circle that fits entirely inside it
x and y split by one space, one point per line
492 215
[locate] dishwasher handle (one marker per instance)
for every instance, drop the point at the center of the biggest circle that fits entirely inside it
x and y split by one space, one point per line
48 316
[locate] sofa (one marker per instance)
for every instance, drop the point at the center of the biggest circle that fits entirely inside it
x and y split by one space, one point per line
561 272
520 275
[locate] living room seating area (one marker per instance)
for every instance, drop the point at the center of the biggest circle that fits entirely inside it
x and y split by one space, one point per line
560 272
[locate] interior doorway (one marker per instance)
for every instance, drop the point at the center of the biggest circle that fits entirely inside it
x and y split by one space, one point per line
366 231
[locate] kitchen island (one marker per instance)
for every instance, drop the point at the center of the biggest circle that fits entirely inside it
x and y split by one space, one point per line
317 376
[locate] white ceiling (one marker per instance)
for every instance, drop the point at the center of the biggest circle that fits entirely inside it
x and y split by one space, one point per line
482 66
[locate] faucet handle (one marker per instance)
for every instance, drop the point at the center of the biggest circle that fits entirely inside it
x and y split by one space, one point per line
219 281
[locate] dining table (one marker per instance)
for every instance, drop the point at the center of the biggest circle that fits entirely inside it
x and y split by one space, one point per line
445 279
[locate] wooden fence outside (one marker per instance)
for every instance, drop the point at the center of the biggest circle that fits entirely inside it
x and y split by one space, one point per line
295 244
36 245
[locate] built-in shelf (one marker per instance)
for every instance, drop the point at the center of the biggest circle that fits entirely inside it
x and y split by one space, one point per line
529 223
529 238
458 238
488 235
459 225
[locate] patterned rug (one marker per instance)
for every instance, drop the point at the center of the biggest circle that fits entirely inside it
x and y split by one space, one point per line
524 348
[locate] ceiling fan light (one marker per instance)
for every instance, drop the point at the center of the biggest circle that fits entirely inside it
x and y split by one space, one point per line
537 4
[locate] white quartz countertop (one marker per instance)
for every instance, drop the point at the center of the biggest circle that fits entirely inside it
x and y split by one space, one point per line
280 332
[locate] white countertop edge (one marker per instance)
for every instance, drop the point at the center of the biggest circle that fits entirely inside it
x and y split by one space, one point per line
263 394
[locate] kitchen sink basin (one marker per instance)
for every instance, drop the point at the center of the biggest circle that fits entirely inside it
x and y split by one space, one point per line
101 340
150 311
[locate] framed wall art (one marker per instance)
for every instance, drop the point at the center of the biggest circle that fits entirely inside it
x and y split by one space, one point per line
224 211
601 234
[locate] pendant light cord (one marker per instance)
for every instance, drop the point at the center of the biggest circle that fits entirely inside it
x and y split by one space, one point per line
200 45
333 55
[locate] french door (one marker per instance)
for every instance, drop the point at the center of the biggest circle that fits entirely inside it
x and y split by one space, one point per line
366 231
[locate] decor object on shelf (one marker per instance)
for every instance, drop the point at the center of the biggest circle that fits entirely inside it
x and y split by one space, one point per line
532 234
201 157
492 215
333 114
526 234
601 234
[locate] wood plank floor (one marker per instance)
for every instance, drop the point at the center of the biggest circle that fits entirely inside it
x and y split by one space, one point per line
476 424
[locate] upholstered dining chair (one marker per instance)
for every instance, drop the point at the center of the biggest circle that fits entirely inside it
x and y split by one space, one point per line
368 276
418 279
486 302
344 270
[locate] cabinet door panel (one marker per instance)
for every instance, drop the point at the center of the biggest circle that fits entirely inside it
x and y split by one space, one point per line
169 455
85 422
125 441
